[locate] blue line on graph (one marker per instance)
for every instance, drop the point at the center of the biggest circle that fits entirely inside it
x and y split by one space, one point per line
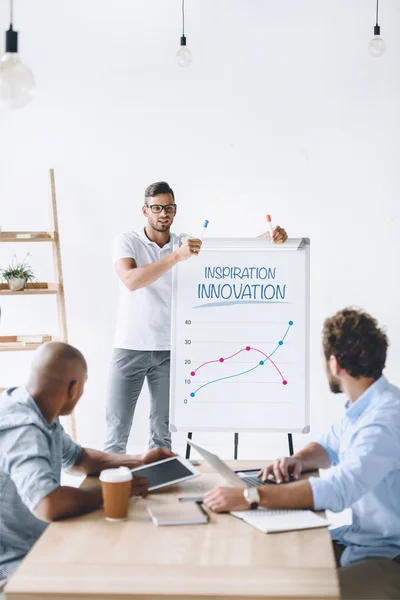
282 340
222 379
272 353
287 330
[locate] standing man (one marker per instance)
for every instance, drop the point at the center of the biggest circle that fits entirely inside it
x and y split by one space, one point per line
143 261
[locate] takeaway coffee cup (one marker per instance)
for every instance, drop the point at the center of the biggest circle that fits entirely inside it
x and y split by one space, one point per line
116 487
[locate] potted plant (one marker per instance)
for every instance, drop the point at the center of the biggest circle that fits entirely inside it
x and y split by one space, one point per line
17 274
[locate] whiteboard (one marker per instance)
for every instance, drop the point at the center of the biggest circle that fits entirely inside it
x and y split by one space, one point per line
240 337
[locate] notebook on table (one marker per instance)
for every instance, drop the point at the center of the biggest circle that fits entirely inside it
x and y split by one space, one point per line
188 513
275 521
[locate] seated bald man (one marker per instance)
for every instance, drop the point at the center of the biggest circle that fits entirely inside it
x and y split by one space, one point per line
34 448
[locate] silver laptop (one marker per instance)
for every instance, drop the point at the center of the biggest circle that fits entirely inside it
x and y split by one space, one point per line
243 481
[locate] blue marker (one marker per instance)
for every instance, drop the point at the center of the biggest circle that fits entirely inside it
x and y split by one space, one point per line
204 229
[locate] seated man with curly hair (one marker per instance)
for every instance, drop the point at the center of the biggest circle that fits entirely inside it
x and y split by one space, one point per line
364 448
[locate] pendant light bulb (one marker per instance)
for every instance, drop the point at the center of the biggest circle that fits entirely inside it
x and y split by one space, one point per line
17 84
183 57
377 46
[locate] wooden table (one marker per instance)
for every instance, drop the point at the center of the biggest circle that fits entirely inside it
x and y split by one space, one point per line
89 558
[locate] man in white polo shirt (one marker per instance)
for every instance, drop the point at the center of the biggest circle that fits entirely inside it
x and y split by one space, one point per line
143 261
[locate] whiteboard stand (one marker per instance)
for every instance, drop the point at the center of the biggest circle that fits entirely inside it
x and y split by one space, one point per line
187 455
236 445
290 442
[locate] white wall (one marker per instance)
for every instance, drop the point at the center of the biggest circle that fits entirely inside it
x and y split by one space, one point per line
282 111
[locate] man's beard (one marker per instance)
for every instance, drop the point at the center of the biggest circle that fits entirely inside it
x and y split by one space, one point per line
334 385
160 228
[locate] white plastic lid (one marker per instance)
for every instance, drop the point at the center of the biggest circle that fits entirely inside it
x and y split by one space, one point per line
116 475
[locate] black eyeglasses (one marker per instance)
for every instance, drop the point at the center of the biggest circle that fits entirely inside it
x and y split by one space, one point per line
158 208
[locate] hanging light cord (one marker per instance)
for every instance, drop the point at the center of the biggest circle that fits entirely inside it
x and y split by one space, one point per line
377 12
11 11
183 17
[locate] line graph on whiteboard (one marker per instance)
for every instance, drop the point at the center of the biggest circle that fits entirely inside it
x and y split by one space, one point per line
252 363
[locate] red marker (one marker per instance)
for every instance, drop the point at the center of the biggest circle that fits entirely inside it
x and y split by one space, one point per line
269 222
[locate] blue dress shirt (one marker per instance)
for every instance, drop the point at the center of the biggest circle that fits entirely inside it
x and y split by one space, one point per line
364 447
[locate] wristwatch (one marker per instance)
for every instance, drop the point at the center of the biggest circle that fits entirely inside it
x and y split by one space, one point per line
252 496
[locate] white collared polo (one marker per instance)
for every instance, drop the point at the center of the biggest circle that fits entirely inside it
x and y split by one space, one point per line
144 316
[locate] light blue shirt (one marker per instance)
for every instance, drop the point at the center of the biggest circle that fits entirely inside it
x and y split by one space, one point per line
364 447
32 454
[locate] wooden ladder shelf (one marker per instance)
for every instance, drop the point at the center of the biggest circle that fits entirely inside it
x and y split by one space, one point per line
31 342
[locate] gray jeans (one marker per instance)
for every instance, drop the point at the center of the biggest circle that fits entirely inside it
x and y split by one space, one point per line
129 369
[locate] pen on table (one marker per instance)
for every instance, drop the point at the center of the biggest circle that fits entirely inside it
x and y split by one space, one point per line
203 231
270 229
203 510
197 500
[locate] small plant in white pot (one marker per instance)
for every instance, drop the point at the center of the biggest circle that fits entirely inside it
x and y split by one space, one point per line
17 274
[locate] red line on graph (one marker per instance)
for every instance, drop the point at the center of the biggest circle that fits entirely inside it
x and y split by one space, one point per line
209 362
246 349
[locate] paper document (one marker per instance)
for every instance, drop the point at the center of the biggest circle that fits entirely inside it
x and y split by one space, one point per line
188 513
273 521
